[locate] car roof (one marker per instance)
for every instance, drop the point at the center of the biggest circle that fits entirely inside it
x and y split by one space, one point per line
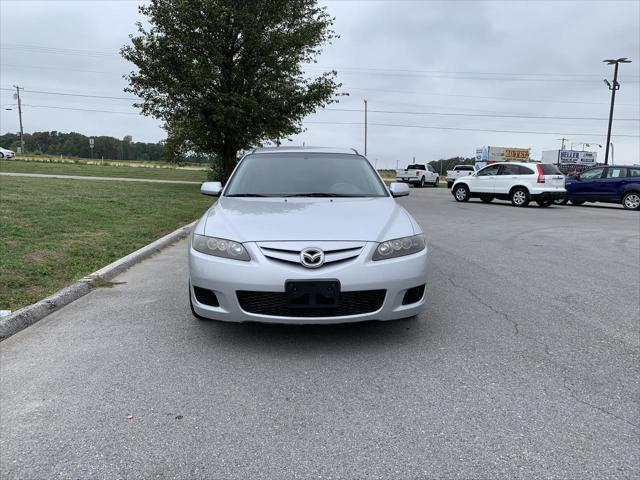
514 163
347 151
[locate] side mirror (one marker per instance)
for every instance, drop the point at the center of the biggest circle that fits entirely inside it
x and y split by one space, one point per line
398 189
211 188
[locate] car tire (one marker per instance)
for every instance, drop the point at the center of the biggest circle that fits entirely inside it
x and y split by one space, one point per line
422 182
437 182
1 155
561 201
461 193
631 201
520 197
544 203
449 184
487 198
577 203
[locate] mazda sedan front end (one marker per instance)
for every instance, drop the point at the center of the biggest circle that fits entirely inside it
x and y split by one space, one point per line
306 236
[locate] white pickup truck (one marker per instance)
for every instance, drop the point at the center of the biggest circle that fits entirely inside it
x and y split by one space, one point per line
458 171
418 174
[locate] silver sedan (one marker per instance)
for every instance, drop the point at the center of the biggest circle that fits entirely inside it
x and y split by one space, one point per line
306 236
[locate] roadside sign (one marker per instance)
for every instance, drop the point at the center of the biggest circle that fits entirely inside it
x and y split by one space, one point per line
577 157
502 154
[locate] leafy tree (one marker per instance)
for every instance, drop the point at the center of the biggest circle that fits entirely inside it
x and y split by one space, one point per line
443 165
226 75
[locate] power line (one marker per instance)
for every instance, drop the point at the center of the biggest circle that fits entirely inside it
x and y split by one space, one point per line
389 112
79 109
452 75
35 67
135 99
495 78
54 50
423 92
542 117
404 92
396 70
462 129
359 124
479 115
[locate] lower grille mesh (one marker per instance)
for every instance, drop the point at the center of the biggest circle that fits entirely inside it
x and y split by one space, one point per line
274 304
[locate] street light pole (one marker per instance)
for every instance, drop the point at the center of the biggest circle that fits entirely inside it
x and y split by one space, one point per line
613 88
365 127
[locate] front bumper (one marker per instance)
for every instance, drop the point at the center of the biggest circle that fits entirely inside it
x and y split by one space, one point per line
226 277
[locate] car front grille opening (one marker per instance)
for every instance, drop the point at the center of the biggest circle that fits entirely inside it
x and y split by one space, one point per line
206 297
275 304
413 295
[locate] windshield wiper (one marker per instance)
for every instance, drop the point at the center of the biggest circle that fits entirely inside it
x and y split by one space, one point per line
318 194
247 195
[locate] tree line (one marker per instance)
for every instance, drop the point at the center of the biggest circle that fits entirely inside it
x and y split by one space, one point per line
75 144
443 164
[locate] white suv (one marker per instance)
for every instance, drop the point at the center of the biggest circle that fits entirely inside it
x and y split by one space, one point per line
518 182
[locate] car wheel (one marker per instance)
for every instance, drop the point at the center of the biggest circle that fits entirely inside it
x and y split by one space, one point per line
544 203
631 201
422 182
1 155
520 197
437 182
461 193
487 198
561 201
449 184
577 203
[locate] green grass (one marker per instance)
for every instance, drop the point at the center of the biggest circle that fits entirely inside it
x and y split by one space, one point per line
55 231
53 168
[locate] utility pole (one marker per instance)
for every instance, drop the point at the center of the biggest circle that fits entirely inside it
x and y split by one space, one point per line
365 127
613 88
563 140
611 143
561 148
20 116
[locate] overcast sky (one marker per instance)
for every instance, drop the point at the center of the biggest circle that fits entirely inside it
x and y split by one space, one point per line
460 74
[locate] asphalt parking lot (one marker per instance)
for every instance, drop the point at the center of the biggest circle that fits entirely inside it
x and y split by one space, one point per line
525 364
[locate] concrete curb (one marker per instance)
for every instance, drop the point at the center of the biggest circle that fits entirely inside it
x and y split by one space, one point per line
21 319
100 179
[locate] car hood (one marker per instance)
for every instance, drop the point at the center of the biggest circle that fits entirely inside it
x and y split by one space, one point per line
270 219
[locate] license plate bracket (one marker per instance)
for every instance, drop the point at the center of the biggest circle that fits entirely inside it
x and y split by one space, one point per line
312 293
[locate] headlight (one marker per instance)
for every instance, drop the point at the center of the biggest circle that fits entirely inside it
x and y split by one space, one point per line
399 247
220 247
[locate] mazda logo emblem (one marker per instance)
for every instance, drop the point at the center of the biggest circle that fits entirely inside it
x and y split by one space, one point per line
312 257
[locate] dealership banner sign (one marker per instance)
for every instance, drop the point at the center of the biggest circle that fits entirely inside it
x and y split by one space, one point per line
577 157
501 154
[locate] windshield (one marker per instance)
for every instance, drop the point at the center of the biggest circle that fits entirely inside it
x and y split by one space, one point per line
305 174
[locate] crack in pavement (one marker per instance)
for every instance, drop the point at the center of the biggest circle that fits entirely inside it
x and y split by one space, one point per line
573 394
517 332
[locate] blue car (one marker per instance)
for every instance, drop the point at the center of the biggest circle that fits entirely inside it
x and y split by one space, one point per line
610 184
